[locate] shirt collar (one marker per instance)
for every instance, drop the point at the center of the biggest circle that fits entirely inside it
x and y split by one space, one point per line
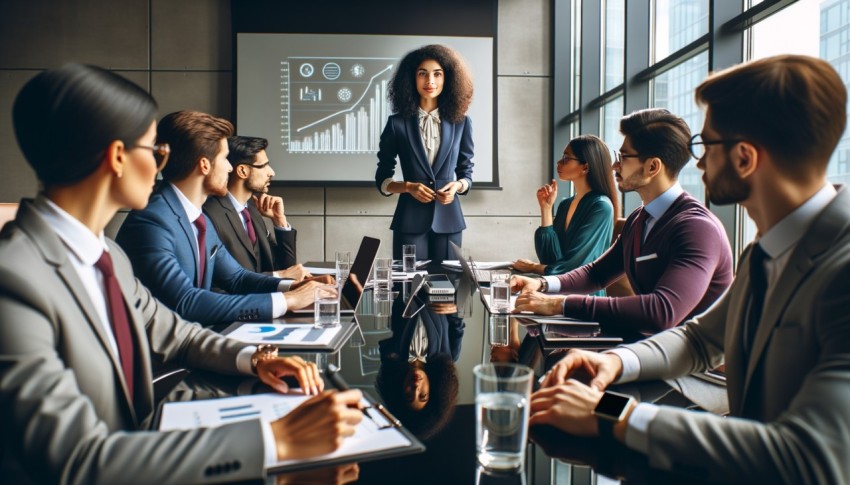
189 208
662 203
236 204
84 244
786 233
435 112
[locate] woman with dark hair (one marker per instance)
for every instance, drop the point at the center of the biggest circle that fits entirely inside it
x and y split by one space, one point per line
79 334
417 379
431 137
583 224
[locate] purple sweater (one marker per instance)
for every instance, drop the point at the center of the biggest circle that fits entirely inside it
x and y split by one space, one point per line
687 266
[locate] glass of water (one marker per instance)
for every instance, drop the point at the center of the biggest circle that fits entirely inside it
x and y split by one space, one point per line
343 265
326 306
502 395
500 291
408 258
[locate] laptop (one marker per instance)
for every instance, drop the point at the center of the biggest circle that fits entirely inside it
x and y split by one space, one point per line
469 280
352 290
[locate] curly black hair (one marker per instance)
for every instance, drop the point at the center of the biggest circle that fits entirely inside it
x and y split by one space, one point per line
440 409
457 86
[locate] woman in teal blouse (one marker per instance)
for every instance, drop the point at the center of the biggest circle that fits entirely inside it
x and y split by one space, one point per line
583 224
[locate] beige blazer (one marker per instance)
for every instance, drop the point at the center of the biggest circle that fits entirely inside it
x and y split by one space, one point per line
65 414
794 388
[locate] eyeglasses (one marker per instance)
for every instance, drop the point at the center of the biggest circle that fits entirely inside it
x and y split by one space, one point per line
619 156
566 158
262 165
160 153
697 144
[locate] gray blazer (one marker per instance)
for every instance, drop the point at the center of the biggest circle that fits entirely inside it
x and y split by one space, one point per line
794 388
65 414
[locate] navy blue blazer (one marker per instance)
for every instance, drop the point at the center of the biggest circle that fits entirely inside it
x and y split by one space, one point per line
161 245
401 138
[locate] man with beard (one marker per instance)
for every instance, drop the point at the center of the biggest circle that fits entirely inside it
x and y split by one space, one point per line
673 250
782 329
239 215
165 239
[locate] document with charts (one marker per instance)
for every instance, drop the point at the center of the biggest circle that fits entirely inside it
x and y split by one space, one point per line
372 439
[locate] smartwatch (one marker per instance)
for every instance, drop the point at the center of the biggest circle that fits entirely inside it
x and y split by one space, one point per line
263 352
610 410
544 285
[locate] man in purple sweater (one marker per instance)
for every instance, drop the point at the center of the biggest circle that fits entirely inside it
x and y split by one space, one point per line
673 250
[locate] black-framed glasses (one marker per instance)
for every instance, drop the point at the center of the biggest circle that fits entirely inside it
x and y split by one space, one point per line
619 156
697 144
262 165
160 153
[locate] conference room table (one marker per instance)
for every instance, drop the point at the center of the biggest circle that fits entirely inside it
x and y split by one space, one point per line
552 456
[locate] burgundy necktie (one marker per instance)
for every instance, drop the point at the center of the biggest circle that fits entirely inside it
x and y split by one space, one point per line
118 318
640 223
249 226
201 224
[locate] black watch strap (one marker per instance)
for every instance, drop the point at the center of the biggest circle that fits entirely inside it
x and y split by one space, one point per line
606 428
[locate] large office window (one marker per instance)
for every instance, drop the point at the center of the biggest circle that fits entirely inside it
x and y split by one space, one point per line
653 53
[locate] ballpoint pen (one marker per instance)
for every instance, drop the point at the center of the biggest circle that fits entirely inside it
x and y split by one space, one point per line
340 384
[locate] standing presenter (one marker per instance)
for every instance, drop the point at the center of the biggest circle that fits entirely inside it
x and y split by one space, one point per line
431 136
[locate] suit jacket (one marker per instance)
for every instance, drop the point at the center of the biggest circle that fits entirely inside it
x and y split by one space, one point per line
401 138
272 251
162 247
66 416
794 387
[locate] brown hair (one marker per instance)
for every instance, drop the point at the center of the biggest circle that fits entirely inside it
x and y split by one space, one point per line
457 87
656 132
192 135
793 106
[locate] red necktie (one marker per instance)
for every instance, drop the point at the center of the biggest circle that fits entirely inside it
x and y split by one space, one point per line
249 226
640 223
118 318
201 224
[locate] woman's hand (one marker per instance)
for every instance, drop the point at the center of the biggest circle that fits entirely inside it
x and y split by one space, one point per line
446 195
547 195
270 372
420 192
528 266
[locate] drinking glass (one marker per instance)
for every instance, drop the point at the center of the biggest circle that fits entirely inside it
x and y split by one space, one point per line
408 258
326 306
502 394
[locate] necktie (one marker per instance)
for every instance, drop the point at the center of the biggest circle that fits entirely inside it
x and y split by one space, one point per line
201 224
118 318
249 226
640 223
758 288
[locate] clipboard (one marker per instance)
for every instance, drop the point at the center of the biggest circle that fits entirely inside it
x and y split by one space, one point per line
308 338
373 444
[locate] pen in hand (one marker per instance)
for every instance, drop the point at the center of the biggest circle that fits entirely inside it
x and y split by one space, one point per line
340 384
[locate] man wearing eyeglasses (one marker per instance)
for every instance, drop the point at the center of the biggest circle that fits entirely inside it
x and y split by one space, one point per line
782 329
673 250
238 217
178 255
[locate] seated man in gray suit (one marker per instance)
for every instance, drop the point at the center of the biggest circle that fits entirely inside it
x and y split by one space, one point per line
178 255
78 331
238 215
782 328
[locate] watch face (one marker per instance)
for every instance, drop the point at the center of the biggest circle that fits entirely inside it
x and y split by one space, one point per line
612 405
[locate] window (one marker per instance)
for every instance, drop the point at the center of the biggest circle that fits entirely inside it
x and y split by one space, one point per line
677 23
613 33
612 111
674 90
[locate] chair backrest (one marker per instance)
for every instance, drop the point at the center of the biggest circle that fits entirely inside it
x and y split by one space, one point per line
621 287
7 212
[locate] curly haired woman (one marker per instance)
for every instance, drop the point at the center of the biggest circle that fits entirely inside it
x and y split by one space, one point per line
431 137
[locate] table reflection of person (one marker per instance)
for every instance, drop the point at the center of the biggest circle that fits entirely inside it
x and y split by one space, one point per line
417 378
